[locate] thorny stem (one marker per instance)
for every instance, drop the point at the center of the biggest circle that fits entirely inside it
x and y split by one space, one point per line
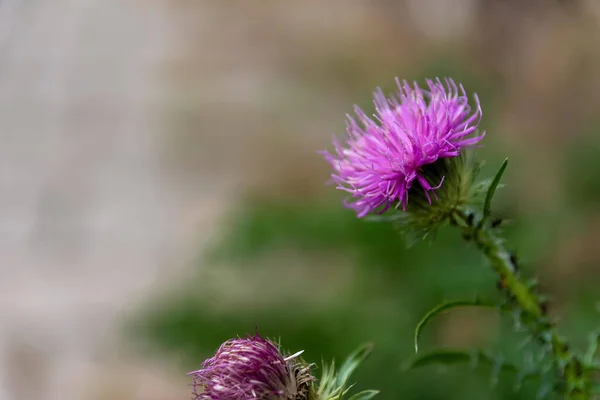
530 310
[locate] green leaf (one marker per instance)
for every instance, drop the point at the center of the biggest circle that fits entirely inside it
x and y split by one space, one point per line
365 395
328 383
335 386
444 307
452 357
487 208
445 357
352 362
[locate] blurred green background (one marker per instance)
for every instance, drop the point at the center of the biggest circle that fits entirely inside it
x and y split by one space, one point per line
257 88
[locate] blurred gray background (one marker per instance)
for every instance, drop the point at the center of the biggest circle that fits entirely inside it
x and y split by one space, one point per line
130 128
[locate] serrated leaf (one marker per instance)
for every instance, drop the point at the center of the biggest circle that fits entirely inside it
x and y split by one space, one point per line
352 362
365 395
487 208
445 307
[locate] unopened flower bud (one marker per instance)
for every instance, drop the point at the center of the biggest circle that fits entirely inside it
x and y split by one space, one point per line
252 368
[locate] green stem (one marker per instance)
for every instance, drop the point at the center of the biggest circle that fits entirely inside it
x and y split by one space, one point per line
531 311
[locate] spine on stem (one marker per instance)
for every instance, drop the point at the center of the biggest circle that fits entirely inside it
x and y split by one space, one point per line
529 308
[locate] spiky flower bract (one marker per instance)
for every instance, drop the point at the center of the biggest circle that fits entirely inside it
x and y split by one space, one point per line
384 156
252 368
460 191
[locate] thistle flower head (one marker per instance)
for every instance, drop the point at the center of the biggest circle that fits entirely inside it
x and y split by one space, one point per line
384 157
251 368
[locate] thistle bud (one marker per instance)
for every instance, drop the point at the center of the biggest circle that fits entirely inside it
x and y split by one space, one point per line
252 368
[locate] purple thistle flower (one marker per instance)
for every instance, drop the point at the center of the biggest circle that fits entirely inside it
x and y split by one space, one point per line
383 158
251 368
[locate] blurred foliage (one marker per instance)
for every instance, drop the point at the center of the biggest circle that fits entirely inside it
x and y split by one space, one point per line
583 164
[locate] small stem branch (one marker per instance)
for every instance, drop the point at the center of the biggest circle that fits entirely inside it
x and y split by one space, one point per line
531 311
